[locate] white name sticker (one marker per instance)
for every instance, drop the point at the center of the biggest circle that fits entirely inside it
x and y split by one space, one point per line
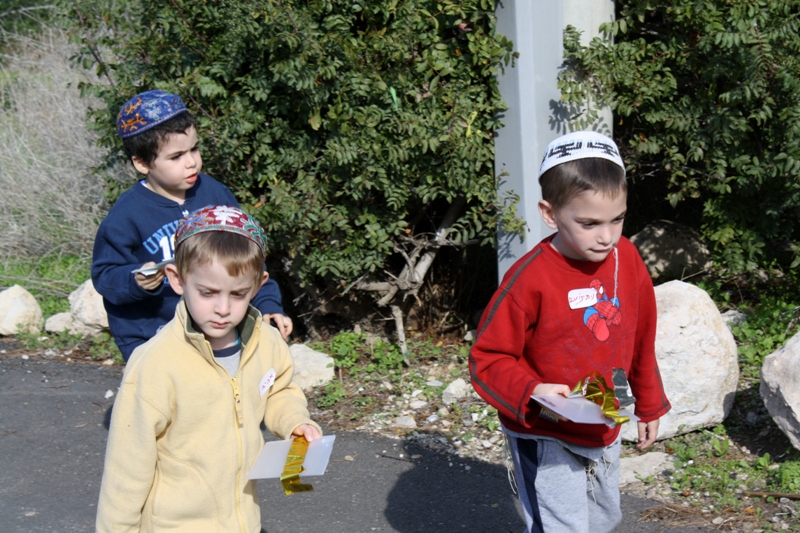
266 382
580 298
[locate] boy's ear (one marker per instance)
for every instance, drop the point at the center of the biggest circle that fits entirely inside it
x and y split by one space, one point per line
263 280
547 214
140 165
174 279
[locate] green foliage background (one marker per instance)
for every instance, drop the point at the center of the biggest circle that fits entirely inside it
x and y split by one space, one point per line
706 98
348 128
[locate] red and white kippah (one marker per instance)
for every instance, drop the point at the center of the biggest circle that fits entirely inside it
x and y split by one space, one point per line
580 145
221 218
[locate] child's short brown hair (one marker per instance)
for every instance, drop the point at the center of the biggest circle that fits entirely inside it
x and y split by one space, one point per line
565 181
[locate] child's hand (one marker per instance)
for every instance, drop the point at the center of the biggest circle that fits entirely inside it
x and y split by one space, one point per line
282 322
648 431
306 430
151 282
552 388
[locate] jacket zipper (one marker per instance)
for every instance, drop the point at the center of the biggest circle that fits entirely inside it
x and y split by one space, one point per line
237 399
239 424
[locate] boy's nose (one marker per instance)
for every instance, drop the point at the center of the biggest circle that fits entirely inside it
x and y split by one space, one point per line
222 308
605 235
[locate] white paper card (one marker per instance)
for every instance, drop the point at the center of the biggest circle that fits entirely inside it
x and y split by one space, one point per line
152 269
272 458
580 298
266 382
578 409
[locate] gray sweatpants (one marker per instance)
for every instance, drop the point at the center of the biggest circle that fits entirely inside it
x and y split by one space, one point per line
564 492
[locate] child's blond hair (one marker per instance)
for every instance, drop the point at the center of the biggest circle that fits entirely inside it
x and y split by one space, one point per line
239 255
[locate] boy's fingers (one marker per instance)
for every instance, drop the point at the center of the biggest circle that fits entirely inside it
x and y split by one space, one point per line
306 430
647 434
283 324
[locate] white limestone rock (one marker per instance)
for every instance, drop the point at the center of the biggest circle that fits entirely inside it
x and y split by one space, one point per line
19 312
58 323
698 360
455 391
311 368
780 388
734 317
405 422
633 469
88 313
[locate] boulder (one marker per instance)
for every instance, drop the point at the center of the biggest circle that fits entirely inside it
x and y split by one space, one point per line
633 469
455 391
88 314
671 251
19 312
311 368
698 360
734 317
405 422
58 323
780 388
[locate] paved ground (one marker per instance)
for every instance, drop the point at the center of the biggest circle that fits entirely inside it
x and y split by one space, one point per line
53 420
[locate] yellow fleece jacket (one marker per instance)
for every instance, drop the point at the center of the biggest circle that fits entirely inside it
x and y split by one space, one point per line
184 434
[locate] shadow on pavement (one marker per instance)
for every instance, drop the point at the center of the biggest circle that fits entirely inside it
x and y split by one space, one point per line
382 489
447 493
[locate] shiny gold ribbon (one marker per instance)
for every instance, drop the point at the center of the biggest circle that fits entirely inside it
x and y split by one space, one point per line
594 387
290 478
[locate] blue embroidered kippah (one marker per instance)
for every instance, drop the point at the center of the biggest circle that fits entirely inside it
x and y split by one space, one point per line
146 110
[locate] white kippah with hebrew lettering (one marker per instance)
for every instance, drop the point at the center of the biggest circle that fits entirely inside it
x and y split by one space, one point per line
580 145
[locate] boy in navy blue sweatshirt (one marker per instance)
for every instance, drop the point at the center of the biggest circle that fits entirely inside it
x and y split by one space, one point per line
160 137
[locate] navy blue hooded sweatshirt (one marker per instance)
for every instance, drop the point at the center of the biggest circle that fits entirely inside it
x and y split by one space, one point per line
139 228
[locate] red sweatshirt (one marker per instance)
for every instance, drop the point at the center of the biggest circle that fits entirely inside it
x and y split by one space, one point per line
555 320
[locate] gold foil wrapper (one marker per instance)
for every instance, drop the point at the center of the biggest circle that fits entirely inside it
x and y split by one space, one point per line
290 478
595 388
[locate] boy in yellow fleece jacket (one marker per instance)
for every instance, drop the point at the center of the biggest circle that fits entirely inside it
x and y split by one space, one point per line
185 427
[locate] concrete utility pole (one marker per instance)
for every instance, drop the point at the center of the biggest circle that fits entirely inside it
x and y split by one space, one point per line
535 115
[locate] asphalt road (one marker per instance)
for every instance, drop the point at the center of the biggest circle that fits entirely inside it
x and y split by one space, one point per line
53 429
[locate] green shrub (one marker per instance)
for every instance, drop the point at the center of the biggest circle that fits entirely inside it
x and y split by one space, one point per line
764 331
788 477
359 133
332 394
706 97
344 348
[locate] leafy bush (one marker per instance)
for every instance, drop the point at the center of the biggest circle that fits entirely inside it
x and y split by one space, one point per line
772 322
788 476
706 97
344 348
359 133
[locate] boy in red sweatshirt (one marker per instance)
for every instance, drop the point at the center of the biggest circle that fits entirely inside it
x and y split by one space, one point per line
580 302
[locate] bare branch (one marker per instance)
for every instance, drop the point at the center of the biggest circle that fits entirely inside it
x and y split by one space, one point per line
416 271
